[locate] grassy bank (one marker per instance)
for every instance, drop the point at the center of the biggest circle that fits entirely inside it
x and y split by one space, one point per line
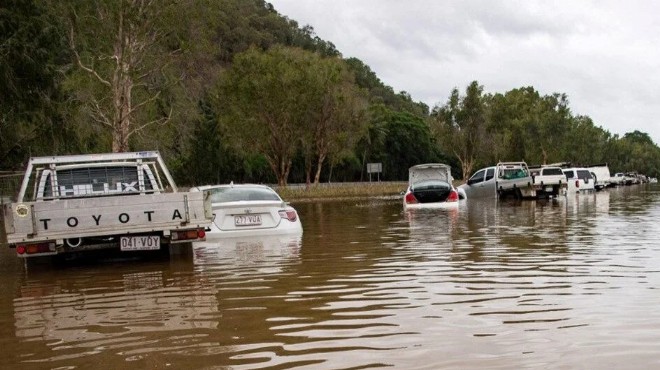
342 191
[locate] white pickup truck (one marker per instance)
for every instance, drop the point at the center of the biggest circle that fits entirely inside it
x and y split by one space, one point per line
549 181
514 178
122 201
506 179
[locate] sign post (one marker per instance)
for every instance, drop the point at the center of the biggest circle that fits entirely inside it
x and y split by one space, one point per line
376 168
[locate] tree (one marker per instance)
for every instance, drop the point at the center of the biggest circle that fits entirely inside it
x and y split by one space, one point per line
335 116
119 45
263 101
408 142
461 125
32 55
638 137
374 138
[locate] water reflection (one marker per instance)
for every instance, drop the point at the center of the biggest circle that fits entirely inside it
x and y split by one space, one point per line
112 310
268 251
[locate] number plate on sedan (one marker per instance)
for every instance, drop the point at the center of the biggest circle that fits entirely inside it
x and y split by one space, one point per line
247 220
140 243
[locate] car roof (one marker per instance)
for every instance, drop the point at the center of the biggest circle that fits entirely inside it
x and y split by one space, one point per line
231 185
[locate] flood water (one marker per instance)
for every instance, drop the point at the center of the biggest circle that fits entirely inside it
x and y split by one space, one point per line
566 284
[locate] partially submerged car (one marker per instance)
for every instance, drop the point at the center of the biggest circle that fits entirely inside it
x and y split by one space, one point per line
579 179
550 181
481 184
503 180
430 186
249 210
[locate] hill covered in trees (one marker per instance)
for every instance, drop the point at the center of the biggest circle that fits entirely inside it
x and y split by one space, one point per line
232 90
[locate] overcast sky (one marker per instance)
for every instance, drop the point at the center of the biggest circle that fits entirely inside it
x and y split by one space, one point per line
604 55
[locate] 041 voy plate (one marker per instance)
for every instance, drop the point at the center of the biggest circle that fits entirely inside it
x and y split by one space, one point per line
140 243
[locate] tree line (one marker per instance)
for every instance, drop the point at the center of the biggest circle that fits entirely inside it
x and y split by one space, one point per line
230 90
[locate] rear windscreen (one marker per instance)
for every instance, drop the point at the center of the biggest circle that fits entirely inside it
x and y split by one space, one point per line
552 171
584 174
96 180
235 194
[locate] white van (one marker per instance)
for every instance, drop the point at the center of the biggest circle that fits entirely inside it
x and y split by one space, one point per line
579 179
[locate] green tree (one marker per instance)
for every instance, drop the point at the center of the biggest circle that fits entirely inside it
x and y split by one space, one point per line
461 125
264 99
335 116
32 55
374 139
408 142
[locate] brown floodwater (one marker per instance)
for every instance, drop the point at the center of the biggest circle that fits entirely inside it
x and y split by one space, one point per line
564 284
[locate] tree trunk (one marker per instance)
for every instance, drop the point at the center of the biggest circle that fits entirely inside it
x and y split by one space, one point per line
319 164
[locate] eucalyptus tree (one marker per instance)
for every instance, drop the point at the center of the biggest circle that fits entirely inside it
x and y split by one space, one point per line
335 117
121 49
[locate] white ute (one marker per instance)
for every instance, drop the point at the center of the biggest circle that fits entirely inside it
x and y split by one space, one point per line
514 178
549 181
122 201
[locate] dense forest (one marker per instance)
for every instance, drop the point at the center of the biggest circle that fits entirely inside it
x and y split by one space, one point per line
231 90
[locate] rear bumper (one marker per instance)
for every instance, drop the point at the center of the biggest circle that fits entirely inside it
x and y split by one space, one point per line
290 228
432 205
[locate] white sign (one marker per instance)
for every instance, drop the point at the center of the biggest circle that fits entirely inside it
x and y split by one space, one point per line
374 167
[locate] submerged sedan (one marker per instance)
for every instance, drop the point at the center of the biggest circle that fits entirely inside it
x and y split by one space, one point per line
430 186
249 210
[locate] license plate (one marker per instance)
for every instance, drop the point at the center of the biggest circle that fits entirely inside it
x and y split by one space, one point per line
548 188
140 243
247 220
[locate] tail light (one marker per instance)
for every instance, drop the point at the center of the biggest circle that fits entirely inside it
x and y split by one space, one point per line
577 183
189 234
410 199
46 247
453 196
288 214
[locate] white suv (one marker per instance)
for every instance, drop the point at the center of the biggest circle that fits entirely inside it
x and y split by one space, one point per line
579 180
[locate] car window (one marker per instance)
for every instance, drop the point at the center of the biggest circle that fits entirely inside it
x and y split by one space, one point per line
490 173
477 177
552 171
584 174
97 180
235 194
569 174
512 173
